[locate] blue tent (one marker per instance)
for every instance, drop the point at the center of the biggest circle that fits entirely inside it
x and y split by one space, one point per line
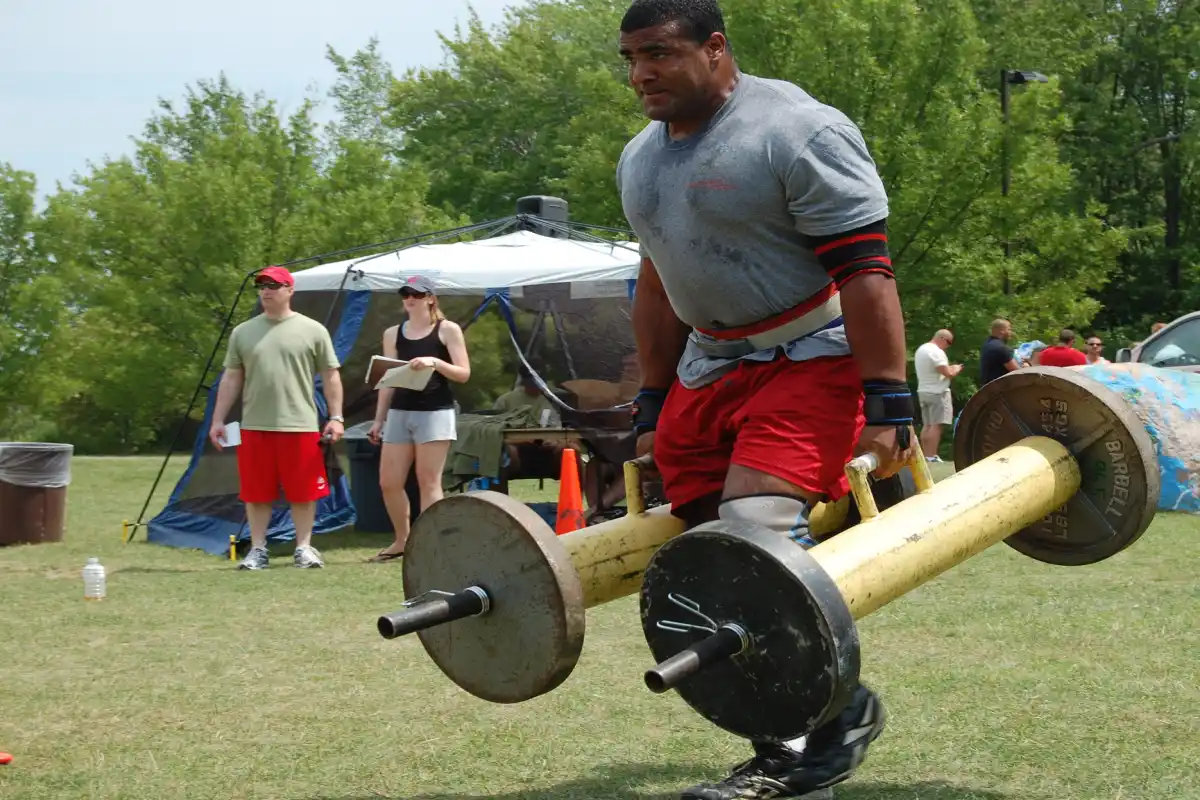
528 271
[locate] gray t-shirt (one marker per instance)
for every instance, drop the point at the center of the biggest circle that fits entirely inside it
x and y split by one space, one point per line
724 213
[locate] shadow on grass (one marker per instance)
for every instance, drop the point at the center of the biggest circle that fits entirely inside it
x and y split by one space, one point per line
158 570
617 783
345 539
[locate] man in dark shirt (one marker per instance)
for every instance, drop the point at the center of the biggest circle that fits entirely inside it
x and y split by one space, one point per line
1064 353
996 357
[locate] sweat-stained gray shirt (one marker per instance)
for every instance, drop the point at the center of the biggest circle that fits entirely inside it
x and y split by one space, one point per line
723 213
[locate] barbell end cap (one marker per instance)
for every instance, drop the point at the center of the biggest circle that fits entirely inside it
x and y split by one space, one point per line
727 642
420 614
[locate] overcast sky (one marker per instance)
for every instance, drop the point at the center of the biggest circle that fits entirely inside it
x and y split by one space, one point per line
79 77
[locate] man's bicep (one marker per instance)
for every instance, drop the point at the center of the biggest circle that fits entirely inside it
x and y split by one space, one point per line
831 183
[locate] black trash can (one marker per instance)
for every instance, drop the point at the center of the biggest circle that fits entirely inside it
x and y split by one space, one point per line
33 491
369 508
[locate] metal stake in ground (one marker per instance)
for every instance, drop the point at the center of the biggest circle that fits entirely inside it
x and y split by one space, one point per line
1049 460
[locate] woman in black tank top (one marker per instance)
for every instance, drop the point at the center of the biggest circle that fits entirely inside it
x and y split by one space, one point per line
416 428
437 394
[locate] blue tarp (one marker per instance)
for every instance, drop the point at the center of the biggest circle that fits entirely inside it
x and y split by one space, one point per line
1167 401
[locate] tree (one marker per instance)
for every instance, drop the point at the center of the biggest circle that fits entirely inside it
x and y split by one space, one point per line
543 101
361 93
32 299
1135 147
160 242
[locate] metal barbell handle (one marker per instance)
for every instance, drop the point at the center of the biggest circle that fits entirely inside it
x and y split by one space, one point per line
862 466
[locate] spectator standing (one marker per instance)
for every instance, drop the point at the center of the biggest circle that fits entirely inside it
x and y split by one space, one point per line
996 357
1064 353
417 427
1095 350
934 372
271 362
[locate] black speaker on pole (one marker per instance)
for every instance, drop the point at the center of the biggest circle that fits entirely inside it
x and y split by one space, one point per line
545 207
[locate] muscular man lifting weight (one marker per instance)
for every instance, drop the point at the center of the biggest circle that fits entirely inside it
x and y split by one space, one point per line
767 321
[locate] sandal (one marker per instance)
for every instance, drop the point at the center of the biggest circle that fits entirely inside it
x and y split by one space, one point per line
383 556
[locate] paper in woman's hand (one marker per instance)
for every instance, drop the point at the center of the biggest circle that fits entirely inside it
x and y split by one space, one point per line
405 377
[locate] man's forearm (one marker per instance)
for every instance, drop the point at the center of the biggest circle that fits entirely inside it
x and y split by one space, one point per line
334 393
660 338
227 392
875 327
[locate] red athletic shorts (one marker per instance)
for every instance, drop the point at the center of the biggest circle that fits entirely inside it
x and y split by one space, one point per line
796 420
268 460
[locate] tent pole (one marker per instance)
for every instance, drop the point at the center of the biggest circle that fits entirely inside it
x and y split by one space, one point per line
192 403
562 339
337 296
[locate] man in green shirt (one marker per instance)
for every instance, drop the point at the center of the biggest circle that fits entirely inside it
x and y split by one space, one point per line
271 361
528 396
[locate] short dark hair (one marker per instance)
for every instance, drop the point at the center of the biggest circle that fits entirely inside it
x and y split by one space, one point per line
699 19
1066 336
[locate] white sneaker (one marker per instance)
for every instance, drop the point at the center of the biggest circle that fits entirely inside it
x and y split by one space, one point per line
256 559
307 558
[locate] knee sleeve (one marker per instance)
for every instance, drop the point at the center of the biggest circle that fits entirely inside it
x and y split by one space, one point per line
781 513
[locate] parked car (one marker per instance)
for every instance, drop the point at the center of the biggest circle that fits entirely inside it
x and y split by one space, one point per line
1176 346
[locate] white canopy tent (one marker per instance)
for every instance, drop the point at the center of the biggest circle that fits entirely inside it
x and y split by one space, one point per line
509 261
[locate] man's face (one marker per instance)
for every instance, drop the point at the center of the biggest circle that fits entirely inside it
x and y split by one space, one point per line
1095 346
672 74
273 292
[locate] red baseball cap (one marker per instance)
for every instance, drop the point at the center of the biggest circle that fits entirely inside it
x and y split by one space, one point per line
277 274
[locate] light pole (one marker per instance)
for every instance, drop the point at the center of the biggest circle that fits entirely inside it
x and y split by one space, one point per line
1007 77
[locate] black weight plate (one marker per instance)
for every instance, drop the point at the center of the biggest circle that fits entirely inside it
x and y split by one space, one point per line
1119 483
802 661
530 640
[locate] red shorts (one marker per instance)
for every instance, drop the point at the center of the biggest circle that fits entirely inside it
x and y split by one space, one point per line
268 460
796 420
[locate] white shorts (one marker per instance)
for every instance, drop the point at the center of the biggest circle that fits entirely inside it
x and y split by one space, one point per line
936 409
419 427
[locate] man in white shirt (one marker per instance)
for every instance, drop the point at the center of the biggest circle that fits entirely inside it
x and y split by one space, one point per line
934 372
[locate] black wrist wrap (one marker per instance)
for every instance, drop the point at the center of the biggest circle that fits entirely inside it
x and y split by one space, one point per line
646 407
887 402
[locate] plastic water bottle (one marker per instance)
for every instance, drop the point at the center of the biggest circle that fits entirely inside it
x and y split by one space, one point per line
93 580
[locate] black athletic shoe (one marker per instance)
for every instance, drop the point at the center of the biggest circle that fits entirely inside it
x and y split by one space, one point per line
831 755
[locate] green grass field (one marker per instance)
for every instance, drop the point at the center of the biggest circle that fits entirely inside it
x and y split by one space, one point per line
1004 678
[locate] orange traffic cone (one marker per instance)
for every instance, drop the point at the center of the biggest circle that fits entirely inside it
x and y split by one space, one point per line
570 495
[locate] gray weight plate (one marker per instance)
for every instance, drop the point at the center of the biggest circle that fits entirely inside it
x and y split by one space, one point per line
801 663
530 639
1119 486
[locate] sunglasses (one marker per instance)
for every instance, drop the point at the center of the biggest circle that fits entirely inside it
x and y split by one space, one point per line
411 293
270 285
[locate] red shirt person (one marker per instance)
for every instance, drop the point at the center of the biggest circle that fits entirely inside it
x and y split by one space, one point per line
1064 353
